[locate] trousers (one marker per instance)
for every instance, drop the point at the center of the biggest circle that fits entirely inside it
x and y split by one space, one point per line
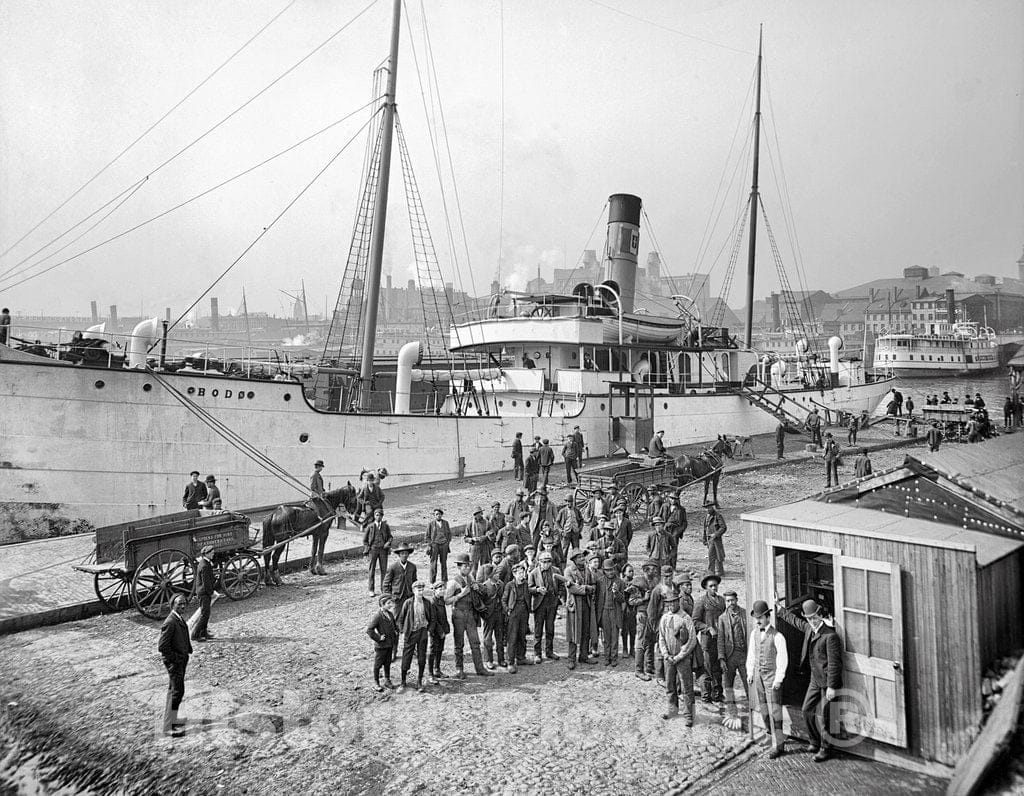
515 640
831 471
628 630
175 689
544 627
716 556
768 699
819 728
517 468
438 553
711 678
436 651
645 643
679 679
378 560
610 636
415 643
382 660
204 616
570 471
494 637
731 666
463 627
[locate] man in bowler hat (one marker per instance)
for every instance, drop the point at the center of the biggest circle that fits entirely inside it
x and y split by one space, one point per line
767 661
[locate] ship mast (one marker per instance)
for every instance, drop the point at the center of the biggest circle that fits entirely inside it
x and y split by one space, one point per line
380 212
753 204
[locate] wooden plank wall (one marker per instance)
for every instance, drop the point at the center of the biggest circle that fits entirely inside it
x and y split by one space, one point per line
1000 614
940 630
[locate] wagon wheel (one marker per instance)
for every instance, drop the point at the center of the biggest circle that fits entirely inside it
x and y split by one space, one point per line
581 500
240 576
160 577
112 589
637 500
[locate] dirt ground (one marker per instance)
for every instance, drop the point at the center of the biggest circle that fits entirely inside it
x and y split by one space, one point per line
281 701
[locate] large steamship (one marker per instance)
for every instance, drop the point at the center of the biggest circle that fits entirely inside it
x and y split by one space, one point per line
83 444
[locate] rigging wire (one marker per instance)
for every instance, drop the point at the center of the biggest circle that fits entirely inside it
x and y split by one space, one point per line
148 130
501 145
270 226
657 247
678 32
583 251
4 283
230 436
451 164
254 97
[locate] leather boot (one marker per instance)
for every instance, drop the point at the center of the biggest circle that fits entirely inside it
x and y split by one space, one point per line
460 673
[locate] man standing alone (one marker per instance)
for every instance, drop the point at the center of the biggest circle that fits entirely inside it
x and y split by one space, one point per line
204 590
831 456
377 538
174 648
439 539
780 440
547 458
517 456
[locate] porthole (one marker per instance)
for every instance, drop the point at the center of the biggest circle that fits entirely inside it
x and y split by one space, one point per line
287 396
147 387
303 438
574 357
191 390
527 404
665 405
602 407
513 403
99 385
250 395
501 403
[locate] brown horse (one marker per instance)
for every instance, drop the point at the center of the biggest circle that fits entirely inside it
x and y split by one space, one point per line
314 517
707 466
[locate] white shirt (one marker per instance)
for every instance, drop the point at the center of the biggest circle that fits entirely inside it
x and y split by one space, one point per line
781 655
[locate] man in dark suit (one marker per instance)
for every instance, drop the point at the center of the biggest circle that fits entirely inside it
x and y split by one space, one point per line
383 629
400 577
174 647
195 491
823 652
545 585
439 540
205 583
377 538
414 622
517 456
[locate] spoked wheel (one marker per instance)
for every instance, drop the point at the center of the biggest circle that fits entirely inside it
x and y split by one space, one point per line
636 504
113 589
581 500
159 578
240 576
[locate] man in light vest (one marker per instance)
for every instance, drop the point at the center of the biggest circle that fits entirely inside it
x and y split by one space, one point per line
767 660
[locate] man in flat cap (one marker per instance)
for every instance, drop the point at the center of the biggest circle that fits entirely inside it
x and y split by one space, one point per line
496 523
660 544
608 599
516 604
714 530
377 539
460 595
577 592
675 525
195 492
518 508
645 629
479 539
655 606
830 454
439 540
205 585
676 641
732 649
414 623
823 652
545 584
708 608
492 586
767 661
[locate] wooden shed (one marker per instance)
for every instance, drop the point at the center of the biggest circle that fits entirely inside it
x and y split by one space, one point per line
921 568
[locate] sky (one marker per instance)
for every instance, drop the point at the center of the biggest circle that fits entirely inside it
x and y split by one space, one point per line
898 127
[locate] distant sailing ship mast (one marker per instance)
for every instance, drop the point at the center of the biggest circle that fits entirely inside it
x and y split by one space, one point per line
754 196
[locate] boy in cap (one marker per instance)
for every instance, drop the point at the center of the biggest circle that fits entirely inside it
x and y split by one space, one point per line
205 586
414 623
676 641
515 601
492 586
544 584
496 522
823 652
767 661
383 630
479 540
438 631
831 456
660 544
732 649
608 599
439 539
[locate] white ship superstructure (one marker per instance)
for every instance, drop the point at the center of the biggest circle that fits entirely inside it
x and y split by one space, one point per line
948 349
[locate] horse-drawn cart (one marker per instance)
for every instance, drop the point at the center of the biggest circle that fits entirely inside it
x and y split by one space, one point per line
635 479
147 562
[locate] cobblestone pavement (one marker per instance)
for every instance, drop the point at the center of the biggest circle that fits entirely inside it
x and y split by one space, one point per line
281 701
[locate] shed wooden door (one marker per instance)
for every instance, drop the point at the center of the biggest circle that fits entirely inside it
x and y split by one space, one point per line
869 610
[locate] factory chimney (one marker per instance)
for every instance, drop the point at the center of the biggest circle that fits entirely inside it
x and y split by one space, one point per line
95 312
950 306
167 314
214 314
654 267
622 245
113 317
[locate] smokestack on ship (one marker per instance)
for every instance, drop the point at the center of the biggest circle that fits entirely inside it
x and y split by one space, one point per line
622 245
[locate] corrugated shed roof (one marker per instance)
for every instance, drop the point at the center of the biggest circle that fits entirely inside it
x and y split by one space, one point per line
848 519
993 470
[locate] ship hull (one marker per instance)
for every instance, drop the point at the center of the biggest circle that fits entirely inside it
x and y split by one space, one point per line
82 447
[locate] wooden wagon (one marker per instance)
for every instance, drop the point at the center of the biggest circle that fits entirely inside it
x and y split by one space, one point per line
632 479
147 562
